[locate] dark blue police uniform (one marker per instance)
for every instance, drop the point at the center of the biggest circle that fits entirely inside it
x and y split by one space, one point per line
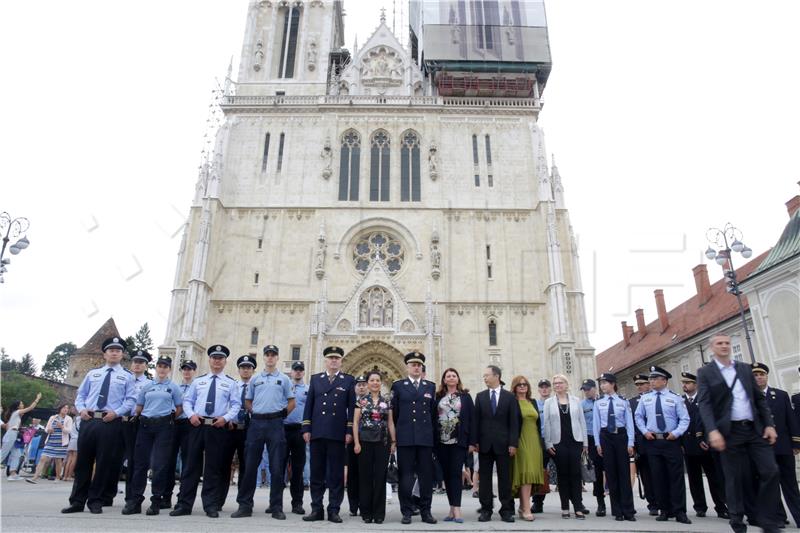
180 442
130 428
295 445
646 485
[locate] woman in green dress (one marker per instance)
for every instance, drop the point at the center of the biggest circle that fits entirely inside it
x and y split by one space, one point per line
527 465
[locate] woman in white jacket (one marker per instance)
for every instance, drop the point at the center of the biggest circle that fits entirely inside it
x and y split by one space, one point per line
565 437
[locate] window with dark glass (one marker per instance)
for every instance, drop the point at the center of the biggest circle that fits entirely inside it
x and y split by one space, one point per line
489 176
492 332
410 168
349 160
291 22
475 163
280 151
379 167
296 353
254 336
266 154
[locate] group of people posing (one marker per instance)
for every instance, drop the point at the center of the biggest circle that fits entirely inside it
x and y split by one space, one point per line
206 420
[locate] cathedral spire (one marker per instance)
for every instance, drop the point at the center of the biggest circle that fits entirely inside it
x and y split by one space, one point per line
558 188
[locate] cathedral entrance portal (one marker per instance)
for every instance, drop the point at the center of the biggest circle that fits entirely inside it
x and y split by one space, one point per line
376 355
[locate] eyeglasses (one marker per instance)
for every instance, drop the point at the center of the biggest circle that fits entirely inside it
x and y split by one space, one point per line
522 384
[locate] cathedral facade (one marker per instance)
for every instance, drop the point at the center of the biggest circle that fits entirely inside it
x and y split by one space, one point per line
386 199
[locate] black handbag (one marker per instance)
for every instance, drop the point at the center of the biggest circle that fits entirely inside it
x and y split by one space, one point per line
587 469
392 474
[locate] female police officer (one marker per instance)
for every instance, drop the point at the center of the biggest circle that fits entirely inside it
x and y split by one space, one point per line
158 401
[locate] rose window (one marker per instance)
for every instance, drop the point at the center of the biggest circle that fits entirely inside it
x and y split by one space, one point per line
378 244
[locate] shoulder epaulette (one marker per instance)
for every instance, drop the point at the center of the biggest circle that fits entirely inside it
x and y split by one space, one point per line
398 380
227 376
126 370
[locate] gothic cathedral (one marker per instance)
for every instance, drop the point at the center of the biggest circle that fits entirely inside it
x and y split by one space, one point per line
385 199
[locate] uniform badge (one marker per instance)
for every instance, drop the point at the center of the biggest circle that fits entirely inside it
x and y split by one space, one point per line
279 382
407 383
427 395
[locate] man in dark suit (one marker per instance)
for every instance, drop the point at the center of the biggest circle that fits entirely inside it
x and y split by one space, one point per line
787 445
796 404
698 456
739 425
496 437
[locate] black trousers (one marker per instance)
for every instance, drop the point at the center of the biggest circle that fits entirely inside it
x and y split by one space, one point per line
236 440
155 441
262 433
353 477
618 471
666 465
487 461
296 458
205 456
129 430
568 469
327 471
98 442
599 490
646 477
695 466
742 445
415 461
372 463
791 492
451 458
180 445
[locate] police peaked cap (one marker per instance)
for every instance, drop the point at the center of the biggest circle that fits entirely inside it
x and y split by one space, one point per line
188 364
333 351
298 365
218 350
114 342
607 376
164 360
640 378
658 372
543 383
141 355
415 357
361 379
588 384
760 367
246 360
687 376
270 348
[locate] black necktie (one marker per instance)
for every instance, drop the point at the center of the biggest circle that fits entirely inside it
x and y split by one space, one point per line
494 401
102 400
660 422
211 396
611 425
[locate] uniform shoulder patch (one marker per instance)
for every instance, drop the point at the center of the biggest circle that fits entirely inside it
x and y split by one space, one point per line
227 376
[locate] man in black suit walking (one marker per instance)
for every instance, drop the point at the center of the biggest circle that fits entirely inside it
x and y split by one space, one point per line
496 419
739 425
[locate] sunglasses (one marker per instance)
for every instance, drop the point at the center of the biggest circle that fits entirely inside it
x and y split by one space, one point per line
522 385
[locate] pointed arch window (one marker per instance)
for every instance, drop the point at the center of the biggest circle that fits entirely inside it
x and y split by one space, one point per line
291 24
379 167
409 167
492 331
349 160
254 337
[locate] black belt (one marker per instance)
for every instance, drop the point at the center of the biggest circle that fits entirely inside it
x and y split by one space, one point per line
269 416
660 436
156 420
98 415
742 423
293 426
181 421
616 431
208 420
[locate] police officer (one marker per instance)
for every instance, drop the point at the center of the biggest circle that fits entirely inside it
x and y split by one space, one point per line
786 446
180 442
130 423
662 418
269 398
328 426
157 402
698 456
613 434
295 445
237 437
352 458
211 401
589 388
646 486
413 408
105 394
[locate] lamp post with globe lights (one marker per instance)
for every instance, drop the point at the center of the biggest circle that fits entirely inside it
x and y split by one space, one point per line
728 240
12 228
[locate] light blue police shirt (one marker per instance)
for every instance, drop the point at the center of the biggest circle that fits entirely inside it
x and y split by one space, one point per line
622 414
121 397
227 401
673 408
300 391
183 388
270 393
159 398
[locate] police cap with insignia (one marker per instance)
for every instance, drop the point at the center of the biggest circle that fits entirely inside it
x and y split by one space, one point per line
608 376
164 360
588 384
114 342
333 351
141 356
688 377
638 379
298 365
189 364
218 350
544 383
658 372
246 360
361 379
271 348
415 357
760 367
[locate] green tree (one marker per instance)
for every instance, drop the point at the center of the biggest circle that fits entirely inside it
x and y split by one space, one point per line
17 386
6 363
27 365
143 341
55 367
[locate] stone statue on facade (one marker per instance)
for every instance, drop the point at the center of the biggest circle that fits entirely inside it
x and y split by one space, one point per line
327 159
433 165
319 268
259 55
311 56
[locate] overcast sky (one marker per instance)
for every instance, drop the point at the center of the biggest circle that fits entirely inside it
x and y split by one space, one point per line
665 117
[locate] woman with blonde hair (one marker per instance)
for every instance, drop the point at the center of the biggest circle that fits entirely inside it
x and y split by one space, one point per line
566 439
527 465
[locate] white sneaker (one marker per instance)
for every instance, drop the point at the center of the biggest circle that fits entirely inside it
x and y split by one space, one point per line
15 477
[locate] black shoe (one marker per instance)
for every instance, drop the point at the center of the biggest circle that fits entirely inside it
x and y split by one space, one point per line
378 521
334 517
682 518
132 509
298 509
278 515
508 518
213 513
314 516
366 520
484 517
74 508
654 512
414 511
354 513
601 511
165 503
700 514
630 518
405 520
724 514
96 510
428 518
152 510
268 510
180 511
537 508
108 503
619 518
242 512
662 518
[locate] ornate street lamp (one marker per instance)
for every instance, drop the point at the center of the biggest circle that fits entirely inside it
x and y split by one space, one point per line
12 228
727 240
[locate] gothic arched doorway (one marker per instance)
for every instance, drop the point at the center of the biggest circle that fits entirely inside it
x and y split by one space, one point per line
375 355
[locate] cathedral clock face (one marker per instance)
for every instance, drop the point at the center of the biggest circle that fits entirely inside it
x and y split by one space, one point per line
381 244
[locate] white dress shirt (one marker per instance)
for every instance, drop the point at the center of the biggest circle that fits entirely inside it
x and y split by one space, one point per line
740 409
